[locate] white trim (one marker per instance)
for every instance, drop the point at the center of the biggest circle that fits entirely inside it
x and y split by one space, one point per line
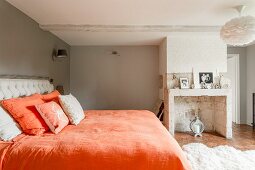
237 90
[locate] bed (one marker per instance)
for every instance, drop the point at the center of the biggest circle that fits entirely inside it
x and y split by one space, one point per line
104 140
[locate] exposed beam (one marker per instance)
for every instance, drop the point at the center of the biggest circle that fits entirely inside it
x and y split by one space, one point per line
129 28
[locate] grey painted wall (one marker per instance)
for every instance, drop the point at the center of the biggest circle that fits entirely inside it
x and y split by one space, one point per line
250 80
101 80
25 49
243 80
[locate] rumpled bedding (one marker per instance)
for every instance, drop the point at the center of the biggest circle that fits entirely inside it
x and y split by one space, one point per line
104 140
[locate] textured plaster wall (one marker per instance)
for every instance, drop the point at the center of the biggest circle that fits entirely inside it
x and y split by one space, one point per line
200 51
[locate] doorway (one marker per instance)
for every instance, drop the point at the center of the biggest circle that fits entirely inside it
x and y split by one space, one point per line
233 74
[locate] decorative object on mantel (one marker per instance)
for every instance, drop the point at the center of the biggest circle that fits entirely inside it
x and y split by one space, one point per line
217 86
184 82
206 80
239 31
203 85
212 81
192 86
225 83
209 86
197 127
175 82
192 80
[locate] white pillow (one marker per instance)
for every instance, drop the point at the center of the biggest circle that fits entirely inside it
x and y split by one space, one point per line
9 129
72 108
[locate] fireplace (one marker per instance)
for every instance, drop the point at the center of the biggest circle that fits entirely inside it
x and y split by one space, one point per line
214 105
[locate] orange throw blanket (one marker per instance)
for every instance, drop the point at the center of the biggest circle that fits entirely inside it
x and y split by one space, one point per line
104 140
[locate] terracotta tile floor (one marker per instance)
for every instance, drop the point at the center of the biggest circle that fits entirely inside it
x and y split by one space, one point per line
243 138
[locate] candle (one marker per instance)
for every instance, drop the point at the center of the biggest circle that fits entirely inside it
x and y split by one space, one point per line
196 128
217 72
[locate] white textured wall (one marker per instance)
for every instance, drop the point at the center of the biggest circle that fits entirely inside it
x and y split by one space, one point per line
201 51
101 80
250 81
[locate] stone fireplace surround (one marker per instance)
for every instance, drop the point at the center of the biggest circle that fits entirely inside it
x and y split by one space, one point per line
215 109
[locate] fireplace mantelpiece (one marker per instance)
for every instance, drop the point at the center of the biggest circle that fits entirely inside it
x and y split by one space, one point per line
222 115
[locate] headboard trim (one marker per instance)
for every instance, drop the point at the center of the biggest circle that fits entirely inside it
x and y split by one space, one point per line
7 76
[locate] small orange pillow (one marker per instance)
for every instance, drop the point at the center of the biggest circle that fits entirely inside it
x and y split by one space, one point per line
53 96
24 112
53 115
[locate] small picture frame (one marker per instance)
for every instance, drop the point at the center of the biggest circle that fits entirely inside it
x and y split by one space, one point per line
184 82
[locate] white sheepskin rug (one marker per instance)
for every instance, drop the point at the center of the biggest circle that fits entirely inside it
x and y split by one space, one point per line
202 157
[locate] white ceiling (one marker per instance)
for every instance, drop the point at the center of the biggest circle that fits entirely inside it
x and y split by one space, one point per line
127 12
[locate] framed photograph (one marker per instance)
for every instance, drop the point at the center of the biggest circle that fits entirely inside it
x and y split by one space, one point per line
203 78
206 77
206 80
184 82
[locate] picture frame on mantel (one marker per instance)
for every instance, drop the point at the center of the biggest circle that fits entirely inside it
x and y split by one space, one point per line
184 83
198 72
206 80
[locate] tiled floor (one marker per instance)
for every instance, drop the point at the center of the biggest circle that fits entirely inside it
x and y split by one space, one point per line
243 138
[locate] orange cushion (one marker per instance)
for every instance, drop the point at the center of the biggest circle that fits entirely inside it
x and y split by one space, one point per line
53 116
24 112
53 96
36 95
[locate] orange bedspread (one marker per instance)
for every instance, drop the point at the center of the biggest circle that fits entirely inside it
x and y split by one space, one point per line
104 140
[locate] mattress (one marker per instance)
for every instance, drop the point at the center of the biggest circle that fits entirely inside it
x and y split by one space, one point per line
104 140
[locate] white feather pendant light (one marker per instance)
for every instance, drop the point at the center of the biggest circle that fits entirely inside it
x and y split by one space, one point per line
239 31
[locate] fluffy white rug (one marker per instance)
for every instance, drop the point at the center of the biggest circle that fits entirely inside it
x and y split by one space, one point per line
202 157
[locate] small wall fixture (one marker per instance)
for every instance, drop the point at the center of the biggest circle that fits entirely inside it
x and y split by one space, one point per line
59 54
